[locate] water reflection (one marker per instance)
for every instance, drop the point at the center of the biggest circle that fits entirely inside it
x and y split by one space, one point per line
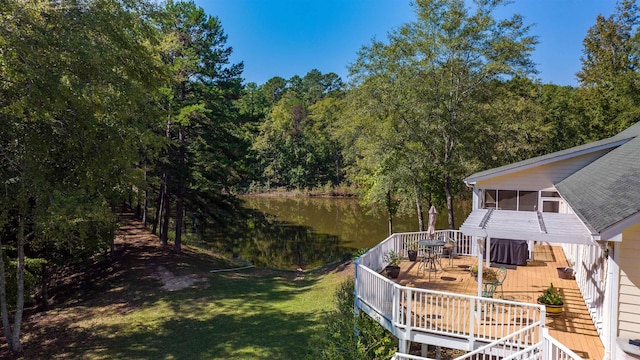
307 232
271 242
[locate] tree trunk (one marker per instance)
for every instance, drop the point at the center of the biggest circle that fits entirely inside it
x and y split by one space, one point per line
337 159
177 245
3 297
15 346
419 209
449 195
448 151
164 231
390 212
44 284
145 194
159 203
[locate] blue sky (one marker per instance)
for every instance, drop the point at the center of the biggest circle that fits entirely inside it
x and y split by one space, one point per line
291 37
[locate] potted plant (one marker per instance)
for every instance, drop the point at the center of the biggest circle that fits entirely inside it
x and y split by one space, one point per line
565 273
412 250
393 260
488 274
552 301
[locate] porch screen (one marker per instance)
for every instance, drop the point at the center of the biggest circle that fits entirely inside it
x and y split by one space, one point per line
507 199
527 200
489 199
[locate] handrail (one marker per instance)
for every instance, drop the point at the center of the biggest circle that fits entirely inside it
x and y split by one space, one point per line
555 349
463 316
551 347
404 310
514 345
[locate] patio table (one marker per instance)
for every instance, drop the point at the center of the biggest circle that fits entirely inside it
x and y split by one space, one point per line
431 260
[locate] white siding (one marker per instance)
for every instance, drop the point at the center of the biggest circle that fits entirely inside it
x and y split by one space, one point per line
629 302
540 177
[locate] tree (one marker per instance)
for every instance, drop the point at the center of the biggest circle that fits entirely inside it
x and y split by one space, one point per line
202 136
429 84
610 75
74 90
294 144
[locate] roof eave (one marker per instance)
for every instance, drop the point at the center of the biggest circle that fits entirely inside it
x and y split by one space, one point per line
545 159
614 232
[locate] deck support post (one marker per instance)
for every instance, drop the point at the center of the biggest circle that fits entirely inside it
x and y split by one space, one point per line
611 300
403 346
480 247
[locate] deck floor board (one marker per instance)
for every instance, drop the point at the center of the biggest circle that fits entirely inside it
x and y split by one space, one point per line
574 328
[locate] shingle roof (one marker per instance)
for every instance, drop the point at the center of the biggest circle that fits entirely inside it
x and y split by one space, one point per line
602 193
611 142
607 190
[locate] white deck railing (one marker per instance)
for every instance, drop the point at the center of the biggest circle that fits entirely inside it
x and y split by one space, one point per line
409 310
590 270
508 327
554 350
513 346
550 348
402 242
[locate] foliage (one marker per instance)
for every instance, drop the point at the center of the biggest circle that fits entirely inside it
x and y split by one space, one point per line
202 159
488 274
610 73
411 245
32 278
356 254
349 336
551 296
294 145
392 258
419 101
77 80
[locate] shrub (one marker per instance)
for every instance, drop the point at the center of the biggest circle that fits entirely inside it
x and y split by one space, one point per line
337 339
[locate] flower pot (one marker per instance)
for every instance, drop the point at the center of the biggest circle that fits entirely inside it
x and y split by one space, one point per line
565 273
392 271
553 310
413 255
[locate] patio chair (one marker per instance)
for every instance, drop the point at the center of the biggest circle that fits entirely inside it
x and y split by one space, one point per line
489 290
428 262
450 247
501 276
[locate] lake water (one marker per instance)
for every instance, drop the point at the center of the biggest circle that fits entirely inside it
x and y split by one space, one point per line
289 233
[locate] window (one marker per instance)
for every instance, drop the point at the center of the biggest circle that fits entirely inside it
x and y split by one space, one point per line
519 200
528 201
553 194
508 199
551 206
489 199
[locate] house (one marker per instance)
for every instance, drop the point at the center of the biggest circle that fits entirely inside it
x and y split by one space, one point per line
586 198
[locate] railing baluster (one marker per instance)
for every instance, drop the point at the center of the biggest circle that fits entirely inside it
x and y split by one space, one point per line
421 310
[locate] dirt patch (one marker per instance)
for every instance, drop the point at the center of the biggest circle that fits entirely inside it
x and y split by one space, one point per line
171 282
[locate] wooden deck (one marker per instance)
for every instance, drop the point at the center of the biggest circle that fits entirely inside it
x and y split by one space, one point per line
574 328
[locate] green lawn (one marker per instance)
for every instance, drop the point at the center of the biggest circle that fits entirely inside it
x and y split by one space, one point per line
251 314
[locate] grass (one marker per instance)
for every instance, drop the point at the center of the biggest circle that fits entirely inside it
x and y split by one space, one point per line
235 317
122 312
